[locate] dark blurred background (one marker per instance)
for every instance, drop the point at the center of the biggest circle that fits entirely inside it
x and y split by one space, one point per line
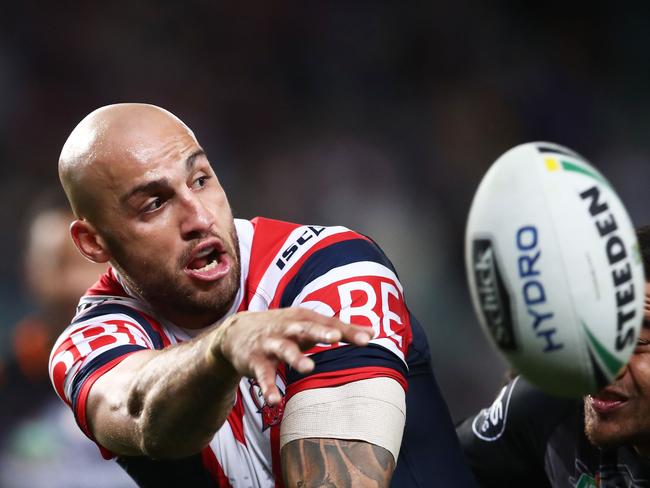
379 116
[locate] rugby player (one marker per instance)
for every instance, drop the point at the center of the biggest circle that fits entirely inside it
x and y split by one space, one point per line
528 438
219 351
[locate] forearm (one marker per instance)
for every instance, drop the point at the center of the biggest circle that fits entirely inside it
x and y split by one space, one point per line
315 463
182 397
172 403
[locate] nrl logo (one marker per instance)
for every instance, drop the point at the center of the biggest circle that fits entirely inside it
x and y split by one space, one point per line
271 415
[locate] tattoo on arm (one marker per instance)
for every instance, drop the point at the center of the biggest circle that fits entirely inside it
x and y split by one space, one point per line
336 463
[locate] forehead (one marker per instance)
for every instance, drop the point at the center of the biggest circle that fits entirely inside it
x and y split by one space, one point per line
132 157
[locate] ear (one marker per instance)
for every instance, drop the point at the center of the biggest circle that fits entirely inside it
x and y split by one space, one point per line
89 243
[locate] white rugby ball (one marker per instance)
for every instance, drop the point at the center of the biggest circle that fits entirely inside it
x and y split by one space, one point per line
554 269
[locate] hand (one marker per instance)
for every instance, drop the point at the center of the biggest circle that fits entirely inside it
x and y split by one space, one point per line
255 342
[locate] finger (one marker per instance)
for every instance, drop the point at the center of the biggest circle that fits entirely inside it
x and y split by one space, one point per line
307 315
264 373
288 352
356 334
352 334
309 333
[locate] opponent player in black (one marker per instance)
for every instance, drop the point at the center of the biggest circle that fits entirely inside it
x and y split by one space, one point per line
528 438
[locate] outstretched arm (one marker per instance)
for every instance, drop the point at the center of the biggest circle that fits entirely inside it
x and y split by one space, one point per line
169 403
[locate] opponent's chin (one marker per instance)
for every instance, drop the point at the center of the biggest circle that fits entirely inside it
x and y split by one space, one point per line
605 425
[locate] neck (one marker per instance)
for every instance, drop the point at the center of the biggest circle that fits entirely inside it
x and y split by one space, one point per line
186 319
189 321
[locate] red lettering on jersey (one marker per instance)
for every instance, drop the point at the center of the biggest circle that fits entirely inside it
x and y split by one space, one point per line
85 340
58 378
122 326
103 340
68 345
370 301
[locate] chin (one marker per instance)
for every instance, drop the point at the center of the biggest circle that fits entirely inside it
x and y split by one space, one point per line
602 439
218 298
609 434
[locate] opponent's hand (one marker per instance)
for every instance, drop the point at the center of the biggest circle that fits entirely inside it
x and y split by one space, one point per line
255 342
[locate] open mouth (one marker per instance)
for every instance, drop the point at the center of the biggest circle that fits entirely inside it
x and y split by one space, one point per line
208 262
205 260
607 401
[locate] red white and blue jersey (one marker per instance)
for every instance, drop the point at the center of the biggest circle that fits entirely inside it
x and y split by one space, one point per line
331 270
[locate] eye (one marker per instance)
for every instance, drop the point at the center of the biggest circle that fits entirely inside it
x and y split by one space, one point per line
642 342
153 205
200 182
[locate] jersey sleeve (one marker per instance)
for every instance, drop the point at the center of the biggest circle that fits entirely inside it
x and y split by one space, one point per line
353 280
505 444
93 344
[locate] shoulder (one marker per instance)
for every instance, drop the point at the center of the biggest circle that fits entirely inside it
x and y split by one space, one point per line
287 242
105 330
285 257
506 444
519 407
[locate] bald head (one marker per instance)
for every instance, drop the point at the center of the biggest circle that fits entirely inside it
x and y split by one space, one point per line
106 140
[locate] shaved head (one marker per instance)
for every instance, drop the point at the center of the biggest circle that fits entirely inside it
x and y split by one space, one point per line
111 134
147 201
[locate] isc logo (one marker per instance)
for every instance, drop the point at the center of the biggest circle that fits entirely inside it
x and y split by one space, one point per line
287 254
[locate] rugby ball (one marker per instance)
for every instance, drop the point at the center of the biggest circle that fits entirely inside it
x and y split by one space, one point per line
554 269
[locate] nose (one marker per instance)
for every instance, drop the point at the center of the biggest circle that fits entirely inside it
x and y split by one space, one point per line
196 218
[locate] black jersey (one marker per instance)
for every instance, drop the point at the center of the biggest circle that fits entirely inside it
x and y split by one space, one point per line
528 438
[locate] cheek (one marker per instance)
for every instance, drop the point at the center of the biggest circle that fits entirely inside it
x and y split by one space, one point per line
149 244
156 231
639 369
220 200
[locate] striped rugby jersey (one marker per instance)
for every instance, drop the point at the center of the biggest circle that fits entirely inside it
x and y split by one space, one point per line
331 270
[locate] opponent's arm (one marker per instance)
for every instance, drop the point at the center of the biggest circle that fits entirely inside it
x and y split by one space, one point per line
169 403
312 463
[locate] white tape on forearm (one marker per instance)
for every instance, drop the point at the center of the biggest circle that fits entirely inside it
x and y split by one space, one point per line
372 410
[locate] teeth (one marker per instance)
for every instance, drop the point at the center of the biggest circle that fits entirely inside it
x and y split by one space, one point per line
212 264
204 252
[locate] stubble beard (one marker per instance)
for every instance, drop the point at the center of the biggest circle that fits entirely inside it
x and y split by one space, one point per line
164 293
617 430
593 429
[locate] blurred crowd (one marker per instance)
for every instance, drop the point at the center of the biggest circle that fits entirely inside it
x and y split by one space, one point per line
381 116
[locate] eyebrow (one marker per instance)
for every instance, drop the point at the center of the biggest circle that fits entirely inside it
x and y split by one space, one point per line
191 159
149 187
152 186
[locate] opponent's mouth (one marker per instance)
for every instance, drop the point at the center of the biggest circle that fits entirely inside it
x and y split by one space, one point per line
607 401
